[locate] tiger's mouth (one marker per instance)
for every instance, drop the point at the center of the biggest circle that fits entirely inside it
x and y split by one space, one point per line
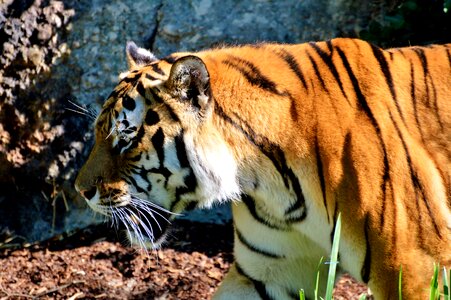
144 222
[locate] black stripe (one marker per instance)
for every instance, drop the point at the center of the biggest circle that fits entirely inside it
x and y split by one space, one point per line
259 285
156 68
277 157
414 101
132 77
135 184
252 74
170 59
158 144
190 180
327 59
329 45
294 66
401 51
137 139
142 172
150 77
416 182
426 75
190 186
155 96
391 55
135 158
172 113
365 272
181 150
363 105
317 73
252 248
119 146
158 141
118 92
448 53
424 64
319 165
125 177
271 150
379 55
130 129
113 95
334 219
250 204
142 91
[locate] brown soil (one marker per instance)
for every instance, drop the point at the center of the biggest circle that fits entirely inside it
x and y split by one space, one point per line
93 264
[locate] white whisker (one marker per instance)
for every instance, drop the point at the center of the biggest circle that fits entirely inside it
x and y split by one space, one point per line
149 233
111 132
134 226
134 199
91 113
124 221
78 106
151 212
78 112
146 228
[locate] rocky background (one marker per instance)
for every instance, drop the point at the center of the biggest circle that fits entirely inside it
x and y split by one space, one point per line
57 55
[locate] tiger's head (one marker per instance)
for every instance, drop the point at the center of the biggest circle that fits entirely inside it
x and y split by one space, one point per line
155 150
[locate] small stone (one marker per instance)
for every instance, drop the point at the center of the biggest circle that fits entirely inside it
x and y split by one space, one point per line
45 32
35 56
8 47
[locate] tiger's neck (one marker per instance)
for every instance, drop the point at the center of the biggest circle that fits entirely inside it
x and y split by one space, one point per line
214 165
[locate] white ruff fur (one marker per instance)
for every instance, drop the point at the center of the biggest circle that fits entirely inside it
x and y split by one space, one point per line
215 168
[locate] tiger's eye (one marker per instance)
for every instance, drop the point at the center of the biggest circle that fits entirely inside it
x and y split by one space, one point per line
128 103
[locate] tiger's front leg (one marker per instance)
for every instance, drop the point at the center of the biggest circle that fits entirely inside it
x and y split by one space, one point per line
236 286
270 262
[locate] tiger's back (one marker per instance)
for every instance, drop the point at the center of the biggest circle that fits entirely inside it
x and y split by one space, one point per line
299 133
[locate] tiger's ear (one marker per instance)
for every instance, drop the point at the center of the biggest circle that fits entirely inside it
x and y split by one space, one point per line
138 57
189 81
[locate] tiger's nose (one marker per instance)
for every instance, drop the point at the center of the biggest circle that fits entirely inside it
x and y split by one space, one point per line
88 194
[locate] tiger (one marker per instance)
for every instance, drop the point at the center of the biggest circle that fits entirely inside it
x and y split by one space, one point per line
292 135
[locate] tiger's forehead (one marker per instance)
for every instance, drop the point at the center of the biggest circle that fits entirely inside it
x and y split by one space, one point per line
133 85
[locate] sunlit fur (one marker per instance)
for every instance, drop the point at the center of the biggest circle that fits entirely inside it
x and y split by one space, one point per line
294 134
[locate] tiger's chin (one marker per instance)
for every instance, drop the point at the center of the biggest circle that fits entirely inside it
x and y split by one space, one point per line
144 222
145 233
145 242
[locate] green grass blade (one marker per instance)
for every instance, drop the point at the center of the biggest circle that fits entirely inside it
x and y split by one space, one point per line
362 297
434 292
317 277
301 295
446 284
333 259
400 284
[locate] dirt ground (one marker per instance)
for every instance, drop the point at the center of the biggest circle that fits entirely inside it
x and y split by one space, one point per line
95 264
